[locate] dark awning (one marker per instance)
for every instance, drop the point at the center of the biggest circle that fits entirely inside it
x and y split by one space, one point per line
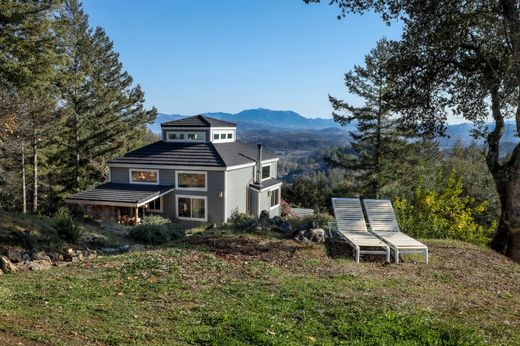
123 195
266 184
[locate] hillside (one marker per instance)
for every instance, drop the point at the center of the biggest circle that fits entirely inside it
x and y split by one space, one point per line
226 288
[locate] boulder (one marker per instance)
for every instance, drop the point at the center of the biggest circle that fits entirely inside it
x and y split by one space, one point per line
22 266
13 254
284 227
38 265
54 256
39 255
277 220
1 272
316 235
26 256
6 266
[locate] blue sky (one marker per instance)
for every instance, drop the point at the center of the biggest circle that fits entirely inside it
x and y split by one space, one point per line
194 56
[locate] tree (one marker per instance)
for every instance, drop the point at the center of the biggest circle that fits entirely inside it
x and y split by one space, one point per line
102 113
377 139
28 68
460 57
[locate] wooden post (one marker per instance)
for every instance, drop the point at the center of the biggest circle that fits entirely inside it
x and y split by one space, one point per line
136 216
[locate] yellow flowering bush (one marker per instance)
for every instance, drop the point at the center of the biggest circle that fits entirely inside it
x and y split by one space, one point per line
442 212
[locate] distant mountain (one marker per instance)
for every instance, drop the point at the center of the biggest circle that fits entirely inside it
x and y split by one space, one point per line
259 119
266 121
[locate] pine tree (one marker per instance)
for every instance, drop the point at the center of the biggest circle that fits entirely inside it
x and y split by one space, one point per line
103 113
377 144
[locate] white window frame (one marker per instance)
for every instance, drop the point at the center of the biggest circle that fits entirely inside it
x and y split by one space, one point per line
270 192
156 210
262 172
225 132
131 170
185 133
191 188
191 197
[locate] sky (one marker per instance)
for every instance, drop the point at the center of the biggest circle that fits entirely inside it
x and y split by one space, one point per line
197 56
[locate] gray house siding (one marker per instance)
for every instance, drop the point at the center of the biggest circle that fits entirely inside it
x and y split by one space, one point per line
238 181
119 175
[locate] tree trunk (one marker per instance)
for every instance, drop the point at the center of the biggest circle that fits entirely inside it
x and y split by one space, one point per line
24 187
35 174
76 153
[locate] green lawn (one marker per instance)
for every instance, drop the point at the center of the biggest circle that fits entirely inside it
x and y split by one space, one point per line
231 289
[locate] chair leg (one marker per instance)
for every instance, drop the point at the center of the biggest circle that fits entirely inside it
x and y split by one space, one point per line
426 255
357 254
396 256
388 254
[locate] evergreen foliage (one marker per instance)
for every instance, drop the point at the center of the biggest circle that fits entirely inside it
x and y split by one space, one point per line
379 140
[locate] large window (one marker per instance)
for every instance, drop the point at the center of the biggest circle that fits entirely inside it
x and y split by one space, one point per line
138 176
266 172
186 136
191 180
275 198
223 136
155 205
191 208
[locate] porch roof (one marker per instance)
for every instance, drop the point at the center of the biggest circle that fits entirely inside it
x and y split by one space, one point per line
124 195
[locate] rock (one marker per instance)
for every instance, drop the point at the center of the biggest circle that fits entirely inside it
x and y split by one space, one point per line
316 235
285 228
22 266
38 265
26 257
277 220
40 255
6 265
62 263
1 272
54 256
13 254
114 250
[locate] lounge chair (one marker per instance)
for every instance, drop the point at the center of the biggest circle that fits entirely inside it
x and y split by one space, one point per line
351 226
383 224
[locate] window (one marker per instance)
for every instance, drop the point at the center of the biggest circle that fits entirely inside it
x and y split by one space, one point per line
193 208
275 198
191 180
196 136
223 136
175 136
155 205
266 172
144 176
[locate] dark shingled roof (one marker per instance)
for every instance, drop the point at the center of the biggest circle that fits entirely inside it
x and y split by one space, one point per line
174 154
120 193
266 183
194 154
199 121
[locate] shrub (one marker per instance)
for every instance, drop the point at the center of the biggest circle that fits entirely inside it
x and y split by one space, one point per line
315 220
154 220
66 227
239 221
149 234
155 234
442 212
285 208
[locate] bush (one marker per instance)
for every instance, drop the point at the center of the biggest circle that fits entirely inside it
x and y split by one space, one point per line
320 220
66 227
154 220
239 221
155 234
443 212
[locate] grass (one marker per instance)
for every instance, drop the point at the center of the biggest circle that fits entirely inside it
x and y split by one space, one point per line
43 236
231 289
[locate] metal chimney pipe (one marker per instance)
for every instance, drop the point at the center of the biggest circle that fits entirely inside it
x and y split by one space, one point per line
259 165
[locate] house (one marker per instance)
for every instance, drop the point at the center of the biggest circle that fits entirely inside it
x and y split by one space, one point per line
198 172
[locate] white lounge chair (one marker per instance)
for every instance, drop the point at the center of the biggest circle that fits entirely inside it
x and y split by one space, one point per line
351 226
383 224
